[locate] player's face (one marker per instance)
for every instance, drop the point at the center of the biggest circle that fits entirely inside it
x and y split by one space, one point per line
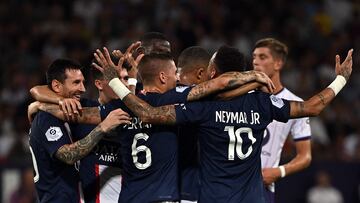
171 75
124 77
263 61
73 86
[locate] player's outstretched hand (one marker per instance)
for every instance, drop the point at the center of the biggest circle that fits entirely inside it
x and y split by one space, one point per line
115 118
71 108
129 57
345 68
106 65
264 79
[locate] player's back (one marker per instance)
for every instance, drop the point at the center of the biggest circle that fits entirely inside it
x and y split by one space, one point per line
150 160
230 136
55 180
150 156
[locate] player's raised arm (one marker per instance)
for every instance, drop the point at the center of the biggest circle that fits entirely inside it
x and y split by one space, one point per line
314 105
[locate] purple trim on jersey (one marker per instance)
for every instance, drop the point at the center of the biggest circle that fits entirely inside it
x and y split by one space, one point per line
303 138
280 91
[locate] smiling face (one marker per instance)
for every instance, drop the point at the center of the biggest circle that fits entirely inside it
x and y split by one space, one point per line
73 85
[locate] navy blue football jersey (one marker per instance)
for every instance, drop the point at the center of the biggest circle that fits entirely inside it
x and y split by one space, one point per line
149 153
100 170
230 136
188 160
55 181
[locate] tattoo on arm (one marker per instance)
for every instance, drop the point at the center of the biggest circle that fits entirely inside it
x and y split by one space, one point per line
226 81
71 153
148 113
89 115
322 99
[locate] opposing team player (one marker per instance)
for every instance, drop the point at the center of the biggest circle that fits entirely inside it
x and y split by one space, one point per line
269 56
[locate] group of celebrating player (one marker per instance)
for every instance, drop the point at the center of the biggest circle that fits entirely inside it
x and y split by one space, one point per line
201 131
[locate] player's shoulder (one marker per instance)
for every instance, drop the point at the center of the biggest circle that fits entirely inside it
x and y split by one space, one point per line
287 94
45 117
43 121
88 102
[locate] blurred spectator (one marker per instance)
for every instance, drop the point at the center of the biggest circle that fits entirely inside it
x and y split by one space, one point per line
26 191
323 191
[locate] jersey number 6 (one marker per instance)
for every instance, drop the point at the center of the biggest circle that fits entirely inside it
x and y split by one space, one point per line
142 148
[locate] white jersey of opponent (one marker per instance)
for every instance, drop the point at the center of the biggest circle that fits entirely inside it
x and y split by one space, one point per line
277 132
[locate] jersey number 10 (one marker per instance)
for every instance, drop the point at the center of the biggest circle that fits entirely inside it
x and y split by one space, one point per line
235 142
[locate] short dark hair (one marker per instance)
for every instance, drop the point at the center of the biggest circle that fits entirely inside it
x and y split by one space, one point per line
278 49
56 70
154 42
148 69
192 56
149 37
229 59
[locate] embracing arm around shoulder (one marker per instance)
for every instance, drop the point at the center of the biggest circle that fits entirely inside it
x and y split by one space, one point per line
70 153
88 115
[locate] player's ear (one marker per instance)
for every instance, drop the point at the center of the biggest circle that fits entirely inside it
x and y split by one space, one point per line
98 84
278 64
162 77
56 86
200 73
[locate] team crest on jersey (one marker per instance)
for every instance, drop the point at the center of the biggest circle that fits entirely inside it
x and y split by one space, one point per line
53 134
276 101
181 88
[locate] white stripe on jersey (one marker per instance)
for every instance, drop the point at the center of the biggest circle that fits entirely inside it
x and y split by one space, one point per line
109 184
277 133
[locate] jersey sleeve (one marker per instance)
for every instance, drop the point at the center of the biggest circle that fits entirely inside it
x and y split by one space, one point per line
280 108
192 112
107 108
301 129
55 135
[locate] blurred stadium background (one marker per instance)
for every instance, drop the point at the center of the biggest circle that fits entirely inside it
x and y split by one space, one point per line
33 33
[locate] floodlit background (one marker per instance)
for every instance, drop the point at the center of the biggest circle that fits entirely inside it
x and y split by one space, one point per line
33 33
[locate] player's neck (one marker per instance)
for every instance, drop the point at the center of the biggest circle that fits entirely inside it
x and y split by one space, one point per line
277 82
153 89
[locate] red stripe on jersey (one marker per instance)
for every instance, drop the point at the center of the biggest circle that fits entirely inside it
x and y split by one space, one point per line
97 174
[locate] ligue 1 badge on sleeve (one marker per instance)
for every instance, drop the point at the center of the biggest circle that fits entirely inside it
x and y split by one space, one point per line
276 101
53 134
